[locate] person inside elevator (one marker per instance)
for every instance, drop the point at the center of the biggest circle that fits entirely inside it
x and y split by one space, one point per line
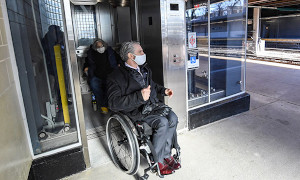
101 60
132 92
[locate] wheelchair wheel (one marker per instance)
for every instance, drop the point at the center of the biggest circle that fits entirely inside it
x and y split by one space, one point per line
122 144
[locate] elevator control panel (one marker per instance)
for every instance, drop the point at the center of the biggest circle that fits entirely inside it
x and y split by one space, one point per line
176 58
175 34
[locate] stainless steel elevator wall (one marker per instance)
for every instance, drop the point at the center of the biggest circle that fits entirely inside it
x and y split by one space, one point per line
162 34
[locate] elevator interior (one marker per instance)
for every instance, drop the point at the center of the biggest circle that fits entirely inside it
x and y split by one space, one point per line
111 22
106 21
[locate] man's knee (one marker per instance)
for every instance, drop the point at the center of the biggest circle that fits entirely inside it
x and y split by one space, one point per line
160 123
94 82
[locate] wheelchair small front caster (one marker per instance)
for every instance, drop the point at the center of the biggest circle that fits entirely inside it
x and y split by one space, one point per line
144 177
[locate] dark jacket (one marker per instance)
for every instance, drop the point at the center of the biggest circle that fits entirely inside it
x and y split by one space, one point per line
53 37
100 65
124 91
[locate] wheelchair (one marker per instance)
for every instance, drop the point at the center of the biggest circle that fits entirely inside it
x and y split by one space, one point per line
127 140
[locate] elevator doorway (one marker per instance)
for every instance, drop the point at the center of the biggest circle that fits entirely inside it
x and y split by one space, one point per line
113 24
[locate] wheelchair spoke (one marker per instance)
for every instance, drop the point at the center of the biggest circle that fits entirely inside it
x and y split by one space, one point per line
114 138
125 157
122 147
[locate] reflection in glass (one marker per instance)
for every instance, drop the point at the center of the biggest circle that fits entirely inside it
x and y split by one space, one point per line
85 24
197 50
227 33
56 126
215 48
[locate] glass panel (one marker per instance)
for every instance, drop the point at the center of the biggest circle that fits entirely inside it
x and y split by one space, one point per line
197 50
227 36
85 23
55 125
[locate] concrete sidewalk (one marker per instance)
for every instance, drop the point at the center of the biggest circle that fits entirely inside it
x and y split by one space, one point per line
263 143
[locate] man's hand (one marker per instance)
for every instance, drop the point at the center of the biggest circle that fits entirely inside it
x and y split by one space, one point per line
86 70
146 93
169 92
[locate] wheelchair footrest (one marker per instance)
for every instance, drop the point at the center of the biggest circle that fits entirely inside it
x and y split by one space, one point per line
154 168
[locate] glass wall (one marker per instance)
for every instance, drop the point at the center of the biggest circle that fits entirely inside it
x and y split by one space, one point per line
216 33
59 120
198 54
45 77
85 25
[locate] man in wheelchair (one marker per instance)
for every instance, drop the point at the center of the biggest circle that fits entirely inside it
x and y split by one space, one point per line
132 92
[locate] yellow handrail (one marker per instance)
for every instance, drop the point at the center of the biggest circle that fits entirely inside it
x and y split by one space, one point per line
62 85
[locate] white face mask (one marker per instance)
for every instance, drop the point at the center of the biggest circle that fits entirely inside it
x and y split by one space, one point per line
140 60
101 50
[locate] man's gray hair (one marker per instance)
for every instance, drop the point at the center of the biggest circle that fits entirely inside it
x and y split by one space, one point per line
127 47
99 40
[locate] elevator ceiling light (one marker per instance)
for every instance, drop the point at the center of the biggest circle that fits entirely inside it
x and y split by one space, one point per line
84 2
94 2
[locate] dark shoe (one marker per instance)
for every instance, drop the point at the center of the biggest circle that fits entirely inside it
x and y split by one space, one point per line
165 169
173 163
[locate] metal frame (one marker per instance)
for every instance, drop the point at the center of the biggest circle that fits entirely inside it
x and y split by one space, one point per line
245 49
277 17
219 100
98 24
186 82
73 21
208 24
165 56
136 8
73 66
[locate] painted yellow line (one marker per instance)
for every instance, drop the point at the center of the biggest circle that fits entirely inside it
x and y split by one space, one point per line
273 64
282 40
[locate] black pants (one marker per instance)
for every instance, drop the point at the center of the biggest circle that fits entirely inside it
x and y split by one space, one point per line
164 133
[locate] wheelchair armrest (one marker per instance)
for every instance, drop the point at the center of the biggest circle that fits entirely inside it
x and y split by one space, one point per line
146 129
